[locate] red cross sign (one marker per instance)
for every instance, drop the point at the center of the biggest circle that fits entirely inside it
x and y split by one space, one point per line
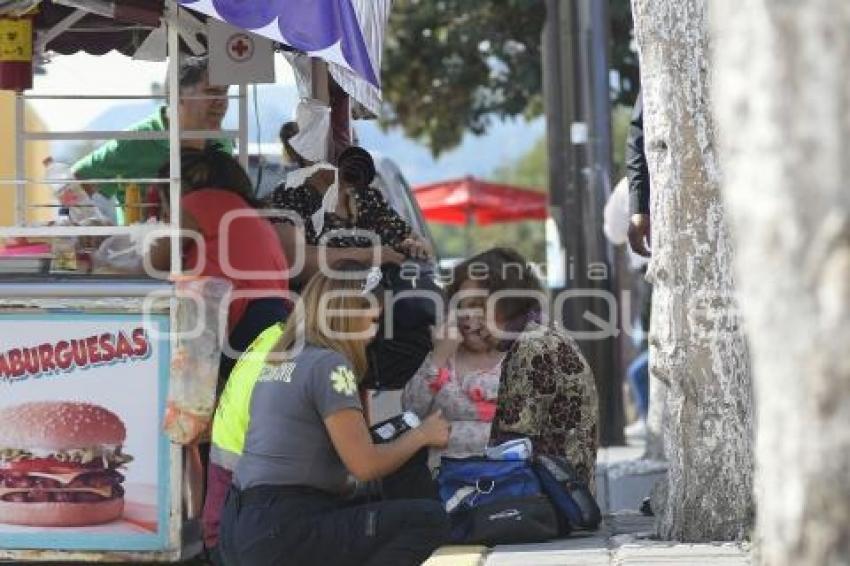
240 47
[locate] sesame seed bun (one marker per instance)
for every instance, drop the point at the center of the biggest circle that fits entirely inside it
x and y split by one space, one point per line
55 425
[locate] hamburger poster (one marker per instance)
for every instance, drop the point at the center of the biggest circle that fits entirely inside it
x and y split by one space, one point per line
83 461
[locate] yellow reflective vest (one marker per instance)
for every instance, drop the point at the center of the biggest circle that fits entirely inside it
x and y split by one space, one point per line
233 414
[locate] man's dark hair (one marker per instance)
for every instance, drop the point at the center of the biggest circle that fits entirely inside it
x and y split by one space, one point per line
192 71
211 168
501 269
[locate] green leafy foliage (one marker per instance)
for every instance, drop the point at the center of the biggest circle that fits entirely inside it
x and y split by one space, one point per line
623 53
452 66
455 65
621 117
530 170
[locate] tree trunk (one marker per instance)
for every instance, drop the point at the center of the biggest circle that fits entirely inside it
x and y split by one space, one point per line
696 344
656 421
783 101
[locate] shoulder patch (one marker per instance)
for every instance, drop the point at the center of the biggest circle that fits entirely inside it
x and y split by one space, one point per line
344 381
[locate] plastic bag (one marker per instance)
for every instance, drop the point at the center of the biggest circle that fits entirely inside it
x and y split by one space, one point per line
199 326
69 193
314 127
124 253
118 254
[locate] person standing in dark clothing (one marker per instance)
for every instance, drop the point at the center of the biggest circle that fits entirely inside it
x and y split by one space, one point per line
637 171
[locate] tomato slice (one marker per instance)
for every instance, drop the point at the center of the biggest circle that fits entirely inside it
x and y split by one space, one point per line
48 466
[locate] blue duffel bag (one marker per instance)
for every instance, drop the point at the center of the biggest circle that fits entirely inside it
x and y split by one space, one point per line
495 501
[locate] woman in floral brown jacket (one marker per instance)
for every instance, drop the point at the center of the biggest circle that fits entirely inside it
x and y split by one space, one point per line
546 391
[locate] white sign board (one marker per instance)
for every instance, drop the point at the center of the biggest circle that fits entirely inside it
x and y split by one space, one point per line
238 56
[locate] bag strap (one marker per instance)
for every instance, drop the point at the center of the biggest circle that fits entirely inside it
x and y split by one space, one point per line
458 497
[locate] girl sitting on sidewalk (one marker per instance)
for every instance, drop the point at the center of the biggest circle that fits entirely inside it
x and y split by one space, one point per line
307 433
509 375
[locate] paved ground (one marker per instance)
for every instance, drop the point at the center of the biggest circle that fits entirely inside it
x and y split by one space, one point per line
625 539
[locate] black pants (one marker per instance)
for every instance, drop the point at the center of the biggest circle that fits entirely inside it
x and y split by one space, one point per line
214 557
304 527
412 481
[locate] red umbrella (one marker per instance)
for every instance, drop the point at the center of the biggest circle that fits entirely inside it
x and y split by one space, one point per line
470 201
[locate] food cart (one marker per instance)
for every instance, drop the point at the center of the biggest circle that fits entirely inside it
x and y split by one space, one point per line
105 378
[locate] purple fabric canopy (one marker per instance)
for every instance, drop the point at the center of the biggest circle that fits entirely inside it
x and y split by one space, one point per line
324 28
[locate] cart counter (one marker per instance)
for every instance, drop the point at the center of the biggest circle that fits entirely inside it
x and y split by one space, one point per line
88 472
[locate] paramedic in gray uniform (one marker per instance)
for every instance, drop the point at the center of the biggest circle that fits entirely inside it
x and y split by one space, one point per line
307 435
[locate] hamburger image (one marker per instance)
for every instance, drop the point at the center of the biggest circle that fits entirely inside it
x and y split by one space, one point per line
59 464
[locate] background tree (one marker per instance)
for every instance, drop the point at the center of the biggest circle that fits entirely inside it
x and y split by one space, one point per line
623 54
452 66
783 103
697 346
530 170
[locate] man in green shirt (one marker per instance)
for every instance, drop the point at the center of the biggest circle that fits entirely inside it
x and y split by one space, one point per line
136 159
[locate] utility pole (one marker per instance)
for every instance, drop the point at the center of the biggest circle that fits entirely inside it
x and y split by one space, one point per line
576 91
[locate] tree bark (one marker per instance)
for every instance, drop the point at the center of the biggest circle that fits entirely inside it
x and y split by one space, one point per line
783 103
656 421
697 347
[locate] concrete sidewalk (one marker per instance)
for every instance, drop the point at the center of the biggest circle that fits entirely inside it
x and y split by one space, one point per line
611 546
624 479
625 538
